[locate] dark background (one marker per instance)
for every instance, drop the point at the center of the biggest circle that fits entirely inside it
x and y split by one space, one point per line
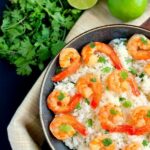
13 89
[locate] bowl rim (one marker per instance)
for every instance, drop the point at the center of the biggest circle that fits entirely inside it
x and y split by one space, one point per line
54 59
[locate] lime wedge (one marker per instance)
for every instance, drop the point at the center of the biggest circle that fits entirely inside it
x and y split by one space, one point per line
82 4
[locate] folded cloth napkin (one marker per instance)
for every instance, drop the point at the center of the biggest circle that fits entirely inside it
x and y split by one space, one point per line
24 130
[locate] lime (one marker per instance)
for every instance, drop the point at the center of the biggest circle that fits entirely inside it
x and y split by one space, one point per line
82 4
127 10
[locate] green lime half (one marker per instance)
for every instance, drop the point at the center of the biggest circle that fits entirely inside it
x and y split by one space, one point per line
127 10
82 4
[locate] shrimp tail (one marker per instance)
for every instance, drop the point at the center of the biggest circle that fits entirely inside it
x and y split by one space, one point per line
115 60
75 100
81 129
95 102
77 125
142 130
109 51
67 72
134 87
125 129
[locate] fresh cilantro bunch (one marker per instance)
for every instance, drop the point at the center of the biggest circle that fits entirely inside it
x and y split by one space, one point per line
33 31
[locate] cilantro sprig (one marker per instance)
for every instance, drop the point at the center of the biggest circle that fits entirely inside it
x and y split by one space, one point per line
107 142
33 31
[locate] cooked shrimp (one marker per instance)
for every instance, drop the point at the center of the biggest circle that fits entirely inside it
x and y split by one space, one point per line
65 126
89 57
139 122
112 119
102 143
133 146
120 80
140 116
89 86
60 102
147 69
139 47
110 116
69 59
140 119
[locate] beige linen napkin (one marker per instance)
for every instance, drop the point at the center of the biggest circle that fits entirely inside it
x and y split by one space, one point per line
24 130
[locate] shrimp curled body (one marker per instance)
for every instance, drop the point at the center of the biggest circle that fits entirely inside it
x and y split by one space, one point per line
108 119
112 119
69 59
89 57
98 144
119 83
89 86
65 126
139 47
60 102
140 119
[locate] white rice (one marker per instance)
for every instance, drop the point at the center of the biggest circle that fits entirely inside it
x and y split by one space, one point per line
86 112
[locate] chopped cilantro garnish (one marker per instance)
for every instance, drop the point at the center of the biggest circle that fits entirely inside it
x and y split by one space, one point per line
141 75
127 104
61 96
124 75
87 101
145 143
78 106
89 122
129 60
113 111
125 42
93 80
58 70
107 141
144 40
133 71
102 59
106 132
107 88
106 69
75 134
148 114
92 44
65 128
121 99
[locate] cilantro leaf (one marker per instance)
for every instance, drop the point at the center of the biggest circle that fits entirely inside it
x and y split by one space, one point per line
33 31
145 143
102 59
107 141
124 75
106 69
133 71
89 122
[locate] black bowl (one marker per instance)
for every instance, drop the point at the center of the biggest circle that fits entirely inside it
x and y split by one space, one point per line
103 34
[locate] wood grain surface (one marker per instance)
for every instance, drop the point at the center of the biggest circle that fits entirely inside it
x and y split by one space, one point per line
100 16
146 24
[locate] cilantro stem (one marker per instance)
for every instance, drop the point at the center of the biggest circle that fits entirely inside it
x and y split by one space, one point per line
61 4
15 24
46 10
64 34
8 52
